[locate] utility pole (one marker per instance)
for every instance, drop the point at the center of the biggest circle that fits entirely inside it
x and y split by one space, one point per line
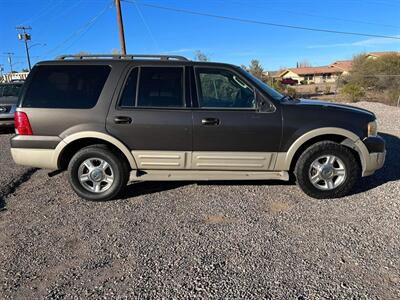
25 37
10 54
121 26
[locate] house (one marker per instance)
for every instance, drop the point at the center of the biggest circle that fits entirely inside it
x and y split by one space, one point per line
343 65
9 77
325 74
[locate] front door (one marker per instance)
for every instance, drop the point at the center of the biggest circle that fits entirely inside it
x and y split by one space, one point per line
229 131
152 118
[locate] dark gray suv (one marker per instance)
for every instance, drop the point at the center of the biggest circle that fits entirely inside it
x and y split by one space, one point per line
8 102
111 120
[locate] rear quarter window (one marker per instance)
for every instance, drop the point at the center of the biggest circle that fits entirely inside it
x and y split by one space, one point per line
65 86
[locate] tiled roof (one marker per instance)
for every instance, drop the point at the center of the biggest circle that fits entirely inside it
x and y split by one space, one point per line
314 70
344 65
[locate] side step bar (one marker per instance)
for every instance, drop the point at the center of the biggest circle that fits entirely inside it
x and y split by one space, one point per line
192 175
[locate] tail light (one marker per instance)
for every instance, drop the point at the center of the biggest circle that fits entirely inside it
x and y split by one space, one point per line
21 123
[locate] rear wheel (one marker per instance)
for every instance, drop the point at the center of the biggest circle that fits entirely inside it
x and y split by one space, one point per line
327 170
96 173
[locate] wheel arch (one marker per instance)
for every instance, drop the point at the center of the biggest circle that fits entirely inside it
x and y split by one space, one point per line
287 160
74 142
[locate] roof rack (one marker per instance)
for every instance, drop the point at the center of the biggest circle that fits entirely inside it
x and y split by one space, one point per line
122 56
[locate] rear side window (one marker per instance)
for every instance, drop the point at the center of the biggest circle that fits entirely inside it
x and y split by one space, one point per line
160 87
65 86
10 90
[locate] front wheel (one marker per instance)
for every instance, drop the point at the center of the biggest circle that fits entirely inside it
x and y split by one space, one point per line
96 173
327 170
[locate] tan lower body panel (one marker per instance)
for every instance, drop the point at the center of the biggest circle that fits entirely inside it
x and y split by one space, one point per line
199 160
39 158
200 175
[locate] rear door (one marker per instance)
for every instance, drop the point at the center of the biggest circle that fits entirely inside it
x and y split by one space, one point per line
152 117
230 132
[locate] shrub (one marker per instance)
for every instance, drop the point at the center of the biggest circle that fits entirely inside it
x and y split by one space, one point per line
291 91
327 89
353 92
392 96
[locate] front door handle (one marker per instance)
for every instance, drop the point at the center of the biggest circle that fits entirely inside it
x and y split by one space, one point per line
122 120
210 121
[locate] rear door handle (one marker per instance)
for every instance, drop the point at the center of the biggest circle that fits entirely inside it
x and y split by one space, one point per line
122 120
210 121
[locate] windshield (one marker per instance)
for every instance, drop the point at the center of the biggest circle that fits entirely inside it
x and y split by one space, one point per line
265 87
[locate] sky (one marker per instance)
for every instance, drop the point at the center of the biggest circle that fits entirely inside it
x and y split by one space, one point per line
72 26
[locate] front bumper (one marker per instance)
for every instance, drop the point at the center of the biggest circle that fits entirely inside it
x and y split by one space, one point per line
376 154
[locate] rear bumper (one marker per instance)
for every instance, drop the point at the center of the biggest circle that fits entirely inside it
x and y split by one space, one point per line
6 123
7 119
39 158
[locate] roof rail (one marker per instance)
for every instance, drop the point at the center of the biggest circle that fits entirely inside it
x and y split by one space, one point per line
122 56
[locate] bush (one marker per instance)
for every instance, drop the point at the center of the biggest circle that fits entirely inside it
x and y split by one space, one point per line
353 92
378 76
392 96
327 89
277 85
291 91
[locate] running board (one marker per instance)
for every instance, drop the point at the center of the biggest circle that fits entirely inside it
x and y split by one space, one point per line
196 175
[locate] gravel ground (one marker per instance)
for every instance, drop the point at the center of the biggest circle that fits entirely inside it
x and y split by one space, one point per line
247 240
11 175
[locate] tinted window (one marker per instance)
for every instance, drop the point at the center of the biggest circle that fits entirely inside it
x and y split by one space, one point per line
65 86
160 87
220 88
10 90
129 94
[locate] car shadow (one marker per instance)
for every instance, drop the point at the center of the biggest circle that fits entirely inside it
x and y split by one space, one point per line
389 172
150 187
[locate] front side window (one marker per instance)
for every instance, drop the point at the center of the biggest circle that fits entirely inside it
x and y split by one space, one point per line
160 87
220 88
66 86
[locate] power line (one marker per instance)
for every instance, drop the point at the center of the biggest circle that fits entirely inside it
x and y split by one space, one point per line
82 30
147 26
300 13
243 20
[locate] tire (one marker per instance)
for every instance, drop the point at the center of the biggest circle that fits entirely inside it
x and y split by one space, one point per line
319 170
97 174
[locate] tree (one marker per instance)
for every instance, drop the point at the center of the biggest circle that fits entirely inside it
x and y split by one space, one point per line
115 51
200 56
83 53
377 75
24 70
304 64
256 69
